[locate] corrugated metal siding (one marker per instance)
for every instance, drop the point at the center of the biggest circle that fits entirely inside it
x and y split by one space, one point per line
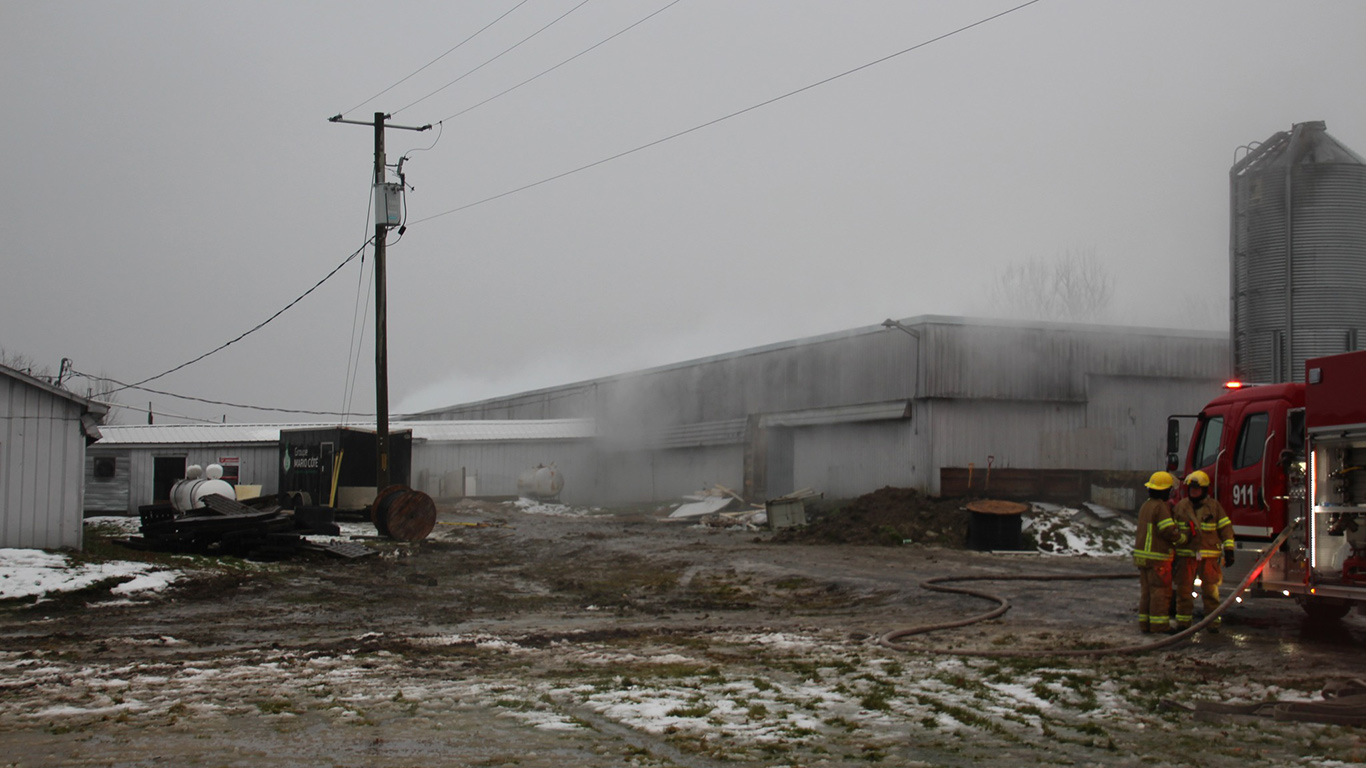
206 434
495 466
1121 427
728 432
847 460
1132 412
674 473
258 465
1259 276
109 495
1021 392
1327 228
42 452
961 358
1329 210
642 476
863 366
532 429
179 434
1000 362
1015 433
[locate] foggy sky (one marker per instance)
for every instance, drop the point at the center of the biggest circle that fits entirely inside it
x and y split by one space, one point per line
173 180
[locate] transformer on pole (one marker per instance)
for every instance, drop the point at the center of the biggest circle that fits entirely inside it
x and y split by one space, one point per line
387 215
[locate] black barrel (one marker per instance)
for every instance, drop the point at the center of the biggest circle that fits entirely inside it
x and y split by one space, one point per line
995 525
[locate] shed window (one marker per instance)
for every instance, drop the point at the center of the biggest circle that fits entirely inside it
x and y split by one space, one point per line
104 467
1252 440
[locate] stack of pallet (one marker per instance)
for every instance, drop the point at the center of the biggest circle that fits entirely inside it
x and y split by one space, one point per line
227 527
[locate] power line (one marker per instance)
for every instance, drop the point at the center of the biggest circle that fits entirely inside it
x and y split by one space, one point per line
440 129
213 402
561 64
352 347
350 392
495 58
723 118
140 409
438 58
256 328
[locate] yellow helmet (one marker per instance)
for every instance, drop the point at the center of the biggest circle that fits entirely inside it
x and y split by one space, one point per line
1160 481
1198 477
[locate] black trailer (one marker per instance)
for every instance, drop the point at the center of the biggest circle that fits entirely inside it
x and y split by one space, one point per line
308 458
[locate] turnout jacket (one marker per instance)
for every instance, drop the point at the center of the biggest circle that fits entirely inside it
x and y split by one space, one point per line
1208 526
1158 535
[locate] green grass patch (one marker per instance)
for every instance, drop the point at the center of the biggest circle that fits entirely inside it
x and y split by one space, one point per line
275 706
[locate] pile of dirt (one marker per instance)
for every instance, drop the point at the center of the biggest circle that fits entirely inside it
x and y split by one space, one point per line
888 517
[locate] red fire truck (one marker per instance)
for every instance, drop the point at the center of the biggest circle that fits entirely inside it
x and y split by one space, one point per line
1292 455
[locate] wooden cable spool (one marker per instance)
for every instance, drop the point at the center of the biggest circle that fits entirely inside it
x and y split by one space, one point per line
379 510
402 513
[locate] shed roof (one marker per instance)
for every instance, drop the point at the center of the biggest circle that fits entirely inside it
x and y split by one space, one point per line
91 405
431 431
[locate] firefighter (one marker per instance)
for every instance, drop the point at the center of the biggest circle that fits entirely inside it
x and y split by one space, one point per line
1209 551
1157 536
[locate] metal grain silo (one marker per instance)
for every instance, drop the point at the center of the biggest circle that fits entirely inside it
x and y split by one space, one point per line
1297 249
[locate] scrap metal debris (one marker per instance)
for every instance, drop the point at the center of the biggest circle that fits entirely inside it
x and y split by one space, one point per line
715 508
706 502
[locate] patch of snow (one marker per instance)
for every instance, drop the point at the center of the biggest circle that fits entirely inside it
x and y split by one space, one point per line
547 721
156 581
33 573
1021 693
1059 530
774 640
532 507
123 523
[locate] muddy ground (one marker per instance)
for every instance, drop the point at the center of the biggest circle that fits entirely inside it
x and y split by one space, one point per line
616 638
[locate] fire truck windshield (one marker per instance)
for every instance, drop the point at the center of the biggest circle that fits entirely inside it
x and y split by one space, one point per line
1207 447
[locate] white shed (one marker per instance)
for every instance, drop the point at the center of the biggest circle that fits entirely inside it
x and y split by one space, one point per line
134 465
43 433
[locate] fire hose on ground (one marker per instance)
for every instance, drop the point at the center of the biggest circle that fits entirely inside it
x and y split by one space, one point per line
1344 703
937 584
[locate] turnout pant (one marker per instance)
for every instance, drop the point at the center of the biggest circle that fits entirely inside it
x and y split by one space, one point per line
1154 598
1210 571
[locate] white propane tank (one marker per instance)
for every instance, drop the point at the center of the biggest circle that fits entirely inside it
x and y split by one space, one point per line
189 493
180 492
540 483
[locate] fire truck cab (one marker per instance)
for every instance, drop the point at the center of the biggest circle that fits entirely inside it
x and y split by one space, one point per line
1293 455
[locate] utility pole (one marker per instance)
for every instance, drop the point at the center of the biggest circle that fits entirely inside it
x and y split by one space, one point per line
382 224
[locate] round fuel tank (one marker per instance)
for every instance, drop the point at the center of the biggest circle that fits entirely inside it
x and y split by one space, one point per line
540 483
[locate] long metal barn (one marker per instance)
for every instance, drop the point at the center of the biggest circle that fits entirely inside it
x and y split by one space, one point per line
948 405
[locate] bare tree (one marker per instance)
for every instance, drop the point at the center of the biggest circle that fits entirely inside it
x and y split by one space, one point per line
1073 286
24 364
99 389
1208 313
